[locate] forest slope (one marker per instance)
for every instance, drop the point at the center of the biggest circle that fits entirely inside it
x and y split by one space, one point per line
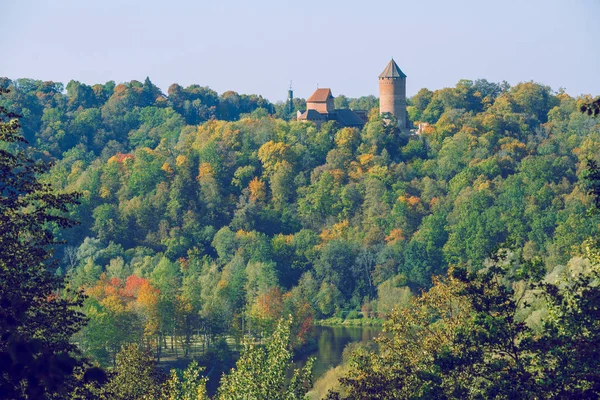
209 214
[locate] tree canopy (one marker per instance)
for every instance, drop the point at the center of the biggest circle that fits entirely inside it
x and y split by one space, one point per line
206 217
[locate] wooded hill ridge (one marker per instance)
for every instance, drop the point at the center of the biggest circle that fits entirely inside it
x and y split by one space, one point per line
207 213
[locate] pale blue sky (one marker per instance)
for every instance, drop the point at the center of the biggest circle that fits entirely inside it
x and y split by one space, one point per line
259 46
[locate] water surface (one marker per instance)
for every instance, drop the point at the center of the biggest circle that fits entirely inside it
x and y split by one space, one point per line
331 341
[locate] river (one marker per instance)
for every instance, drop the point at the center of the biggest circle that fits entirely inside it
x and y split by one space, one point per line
329 346
331 341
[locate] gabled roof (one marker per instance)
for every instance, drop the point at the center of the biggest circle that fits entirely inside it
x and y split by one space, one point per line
392 70
347 117
320 96
311 115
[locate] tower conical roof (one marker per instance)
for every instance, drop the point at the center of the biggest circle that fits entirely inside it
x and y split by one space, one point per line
392 70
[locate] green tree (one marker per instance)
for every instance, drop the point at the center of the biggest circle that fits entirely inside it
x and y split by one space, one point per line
136 375
37 358
261 372
465 338
186 385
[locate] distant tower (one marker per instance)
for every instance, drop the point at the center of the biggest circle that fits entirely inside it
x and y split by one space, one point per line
291 99
392 93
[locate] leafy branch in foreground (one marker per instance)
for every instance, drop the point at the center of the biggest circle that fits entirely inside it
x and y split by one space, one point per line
37 359
591 108
465 338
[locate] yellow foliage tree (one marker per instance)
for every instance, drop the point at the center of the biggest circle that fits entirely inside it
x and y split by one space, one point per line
258 191
272 153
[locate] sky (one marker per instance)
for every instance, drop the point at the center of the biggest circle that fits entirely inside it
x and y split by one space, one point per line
258 46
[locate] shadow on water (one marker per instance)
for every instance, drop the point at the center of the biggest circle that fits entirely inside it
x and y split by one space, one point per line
330 344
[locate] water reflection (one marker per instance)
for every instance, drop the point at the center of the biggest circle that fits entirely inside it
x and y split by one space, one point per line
331 341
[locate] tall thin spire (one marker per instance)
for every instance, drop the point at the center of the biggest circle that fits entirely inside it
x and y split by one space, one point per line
291 98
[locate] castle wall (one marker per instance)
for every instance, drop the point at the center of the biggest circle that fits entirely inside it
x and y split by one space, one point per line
323 108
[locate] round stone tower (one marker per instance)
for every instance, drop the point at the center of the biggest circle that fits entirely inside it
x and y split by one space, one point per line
392 93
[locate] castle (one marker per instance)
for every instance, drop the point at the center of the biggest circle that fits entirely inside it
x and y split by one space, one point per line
392 101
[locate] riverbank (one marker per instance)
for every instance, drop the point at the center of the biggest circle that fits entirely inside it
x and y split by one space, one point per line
337 321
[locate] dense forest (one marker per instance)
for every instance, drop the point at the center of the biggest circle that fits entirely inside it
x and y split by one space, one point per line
205 218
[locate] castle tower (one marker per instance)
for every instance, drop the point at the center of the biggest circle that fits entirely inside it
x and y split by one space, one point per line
392 93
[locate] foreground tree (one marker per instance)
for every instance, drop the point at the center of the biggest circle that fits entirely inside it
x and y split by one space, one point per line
261 372
186 385
406 357
37 359
135 375
466 338
591 108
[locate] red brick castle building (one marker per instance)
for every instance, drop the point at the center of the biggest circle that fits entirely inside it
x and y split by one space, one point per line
392 101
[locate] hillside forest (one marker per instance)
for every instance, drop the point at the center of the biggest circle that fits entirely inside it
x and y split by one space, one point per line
204 219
